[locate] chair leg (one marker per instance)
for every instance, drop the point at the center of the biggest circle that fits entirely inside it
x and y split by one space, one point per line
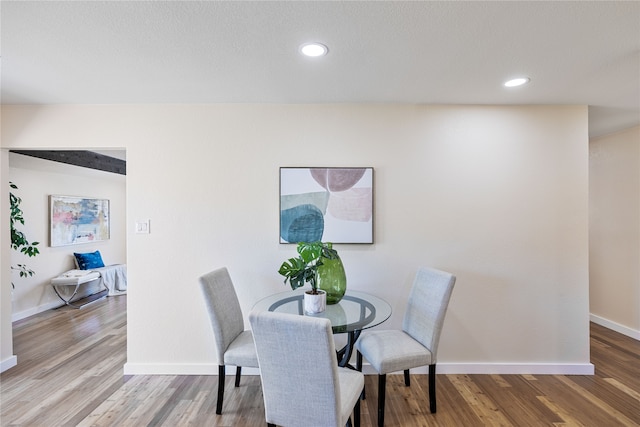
432 388
356 412
382 383
221 375
359 369
407 380
238 373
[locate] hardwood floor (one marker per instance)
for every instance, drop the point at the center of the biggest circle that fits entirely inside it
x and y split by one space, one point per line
70 362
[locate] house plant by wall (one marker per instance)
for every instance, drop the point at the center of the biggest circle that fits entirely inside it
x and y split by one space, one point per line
19 241
319 265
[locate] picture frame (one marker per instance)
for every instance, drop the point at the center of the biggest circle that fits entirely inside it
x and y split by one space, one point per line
331 204
76 220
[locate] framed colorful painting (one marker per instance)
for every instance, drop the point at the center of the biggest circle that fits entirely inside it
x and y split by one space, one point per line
76 220
326 204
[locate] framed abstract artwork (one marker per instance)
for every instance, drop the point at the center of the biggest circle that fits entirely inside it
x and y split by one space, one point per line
77 220
326 204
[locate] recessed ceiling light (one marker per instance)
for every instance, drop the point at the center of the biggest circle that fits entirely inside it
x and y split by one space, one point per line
314 49
517 82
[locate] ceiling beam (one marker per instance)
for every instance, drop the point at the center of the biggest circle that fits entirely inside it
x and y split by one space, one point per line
85 159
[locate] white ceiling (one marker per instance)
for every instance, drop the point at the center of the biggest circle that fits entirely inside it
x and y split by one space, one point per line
423 52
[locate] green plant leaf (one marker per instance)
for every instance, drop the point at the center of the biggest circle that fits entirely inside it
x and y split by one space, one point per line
19 241
310 252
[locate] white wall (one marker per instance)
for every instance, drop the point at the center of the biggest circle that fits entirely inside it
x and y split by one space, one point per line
496 195
37 179
614 196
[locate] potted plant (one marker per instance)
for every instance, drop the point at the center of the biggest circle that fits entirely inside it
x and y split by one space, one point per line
305 269
19 241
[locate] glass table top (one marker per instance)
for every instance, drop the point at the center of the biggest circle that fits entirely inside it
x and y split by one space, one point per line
356 311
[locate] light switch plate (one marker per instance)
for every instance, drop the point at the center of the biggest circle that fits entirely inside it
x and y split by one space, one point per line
142 226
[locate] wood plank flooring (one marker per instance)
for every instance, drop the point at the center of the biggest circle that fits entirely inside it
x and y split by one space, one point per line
70 362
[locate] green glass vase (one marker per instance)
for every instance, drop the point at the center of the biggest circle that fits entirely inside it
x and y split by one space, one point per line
332 279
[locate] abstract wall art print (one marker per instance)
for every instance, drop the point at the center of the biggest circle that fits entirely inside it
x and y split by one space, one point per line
77 220
326 204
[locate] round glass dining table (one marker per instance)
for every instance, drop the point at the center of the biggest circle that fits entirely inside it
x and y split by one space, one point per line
355 312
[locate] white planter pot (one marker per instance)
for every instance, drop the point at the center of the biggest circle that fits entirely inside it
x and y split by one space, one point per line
315 303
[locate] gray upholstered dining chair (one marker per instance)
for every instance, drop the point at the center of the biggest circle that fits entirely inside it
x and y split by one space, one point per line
302 384
417 343
234 345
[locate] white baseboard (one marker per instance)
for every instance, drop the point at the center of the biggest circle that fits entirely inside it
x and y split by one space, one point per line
624 330
35 310
443 368
503 369
516 368
8 363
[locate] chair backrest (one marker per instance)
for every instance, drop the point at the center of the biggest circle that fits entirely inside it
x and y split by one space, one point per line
426 307
223 307
298 369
